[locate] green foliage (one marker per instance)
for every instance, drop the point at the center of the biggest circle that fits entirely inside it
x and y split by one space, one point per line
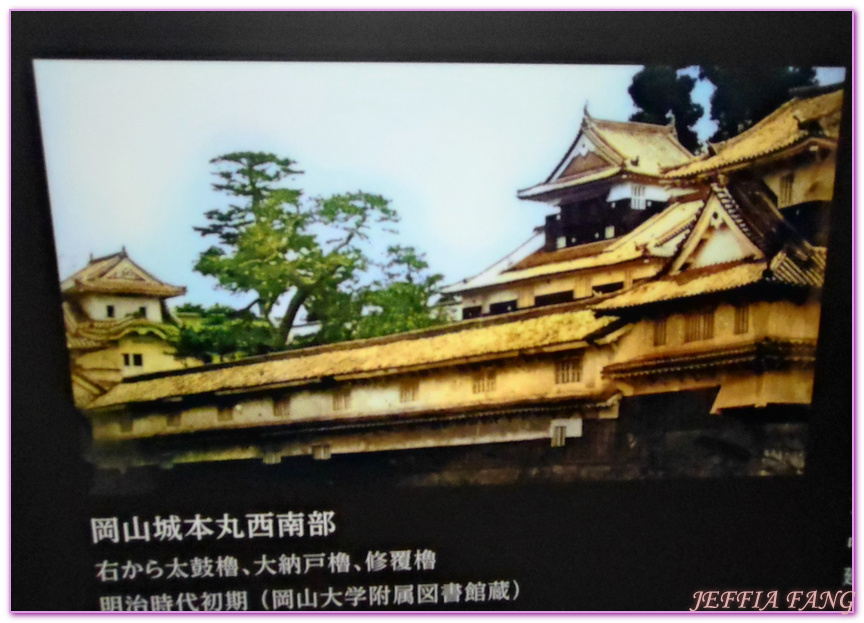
396 302
657 90
311 253
221 333
746 94
743 95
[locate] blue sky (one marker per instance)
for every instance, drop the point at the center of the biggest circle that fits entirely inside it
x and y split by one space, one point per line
128 145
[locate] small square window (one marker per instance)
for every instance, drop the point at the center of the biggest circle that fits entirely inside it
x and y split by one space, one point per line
109 311
610 231
483 381
282 407
174 419
408 391
126 424
225 414
568 371
137 360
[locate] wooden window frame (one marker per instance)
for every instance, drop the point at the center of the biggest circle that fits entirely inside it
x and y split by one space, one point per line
742 319
342 400
483 381
559 436
408 391
660 331
569 370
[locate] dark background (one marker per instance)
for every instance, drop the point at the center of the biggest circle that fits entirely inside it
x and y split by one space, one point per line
582 546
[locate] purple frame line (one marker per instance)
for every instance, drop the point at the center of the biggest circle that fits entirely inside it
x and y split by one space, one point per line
434 9
854 70
516 613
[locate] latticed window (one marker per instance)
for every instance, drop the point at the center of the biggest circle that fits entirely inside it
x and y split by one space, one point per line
559 436
637 200
742 319
282 407
342 400
408 391
568 370
787 182
483 381
699 326
660 332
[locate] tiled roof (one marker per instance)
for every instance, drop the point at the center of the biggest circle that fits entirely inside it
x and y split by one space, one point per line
541 257
793 123
96 277
688 284
645 241
457 344
722 278
646 148
637 149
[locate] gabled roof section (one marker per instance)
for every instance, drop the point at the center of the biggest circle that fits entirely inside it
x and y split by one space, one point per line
117 274
603 149
657 238
770 252
796 124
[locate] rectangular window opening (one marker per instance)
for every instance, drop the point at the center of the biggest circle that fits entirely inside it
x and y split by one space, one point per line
471 312
699 327
282 408
225 414
126 360
109 311
559 436
342 400
173 419
408 391
568 370
786 184
553 299
742 319
503 308
483 381
137 360
660 332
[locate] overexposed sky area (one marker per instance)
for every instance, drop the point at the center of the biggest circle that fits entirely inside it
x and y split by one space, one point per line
128 145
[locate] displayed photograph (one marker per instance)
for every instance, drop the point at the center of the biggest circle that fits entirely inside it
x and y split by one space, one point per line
487 274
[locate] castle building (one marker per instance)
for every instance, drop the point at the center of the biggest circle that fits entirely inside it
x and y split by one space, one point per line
663 322
117 324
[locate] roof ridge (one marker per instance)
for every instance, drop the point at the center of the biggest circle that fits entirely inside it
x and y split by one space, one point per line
763 121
